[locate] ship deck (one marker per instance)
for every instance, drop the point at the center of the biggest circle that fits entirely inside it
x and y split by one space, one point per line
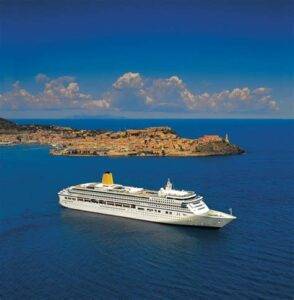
129 190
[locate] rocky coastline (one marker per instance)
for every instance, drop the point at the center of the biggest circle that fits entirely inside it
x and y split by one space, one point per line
152 141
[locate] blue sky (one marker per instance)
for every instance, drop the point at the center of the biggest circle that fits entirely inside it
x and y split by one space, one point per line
175 58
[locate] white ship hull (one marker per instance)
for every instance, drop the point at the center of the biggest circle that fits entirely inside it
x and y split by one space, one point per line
211 218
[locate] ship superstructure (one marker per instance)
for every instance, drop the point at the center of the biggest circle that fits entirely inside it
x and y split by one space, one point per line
164 206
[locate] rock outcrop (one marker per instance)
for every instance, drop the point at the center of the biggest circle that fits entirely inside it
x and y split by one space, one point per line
153 141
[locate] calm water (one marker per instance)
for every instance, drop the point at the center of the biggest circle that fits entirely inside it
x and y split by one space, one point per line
47 252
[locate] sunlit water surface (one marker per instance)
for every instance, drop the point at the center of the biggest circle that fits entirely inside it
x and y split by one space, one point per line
47 252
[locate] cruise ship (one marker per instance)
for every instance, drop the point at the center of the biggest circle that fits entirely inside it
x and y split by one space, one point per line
167 205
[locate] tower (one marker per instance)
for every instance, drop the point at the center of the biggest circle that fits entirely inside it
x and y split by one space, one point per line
227 138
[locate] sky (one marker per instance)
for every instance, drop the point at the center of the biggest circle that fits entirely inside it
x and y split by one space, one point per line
147 59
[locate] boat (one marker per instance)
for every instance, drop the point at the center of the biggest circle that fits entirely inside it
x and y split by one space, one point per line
167 205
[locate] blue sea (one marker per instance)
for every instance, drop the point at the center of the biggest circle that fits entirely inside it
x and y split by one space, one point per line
48 252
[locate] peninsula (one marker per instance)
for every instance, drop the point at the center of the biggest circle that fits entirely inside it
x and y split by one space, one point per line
153 141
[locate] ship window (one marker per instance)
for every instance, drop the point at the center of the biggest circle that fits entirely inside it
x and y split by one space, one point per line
166 212
149 209
80 199
133 206
118 204
110 203
126 205
140 208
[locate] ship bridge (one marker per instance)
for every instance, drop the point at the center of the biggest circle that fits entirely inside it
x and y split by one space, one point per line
169 192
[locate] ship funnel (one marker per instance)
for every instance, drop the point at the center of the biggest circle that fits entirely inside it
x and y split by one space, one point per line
107 178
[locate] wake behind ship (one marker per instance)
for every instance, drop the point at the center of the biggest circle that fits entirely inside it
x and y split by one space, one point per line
167 205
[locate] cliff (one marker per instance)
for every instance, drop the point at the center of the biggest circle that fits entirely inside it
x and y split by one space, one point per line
153 141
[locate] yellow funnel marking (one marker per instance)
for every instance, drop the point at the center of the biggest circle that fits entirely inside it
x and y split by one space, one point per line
107 178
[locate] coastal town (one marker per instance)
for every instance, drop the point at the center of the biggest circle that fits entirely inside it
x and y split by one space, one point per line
152 141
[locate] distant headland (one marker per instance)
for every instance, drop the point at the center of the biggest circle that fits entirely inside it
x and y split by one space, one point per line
152 141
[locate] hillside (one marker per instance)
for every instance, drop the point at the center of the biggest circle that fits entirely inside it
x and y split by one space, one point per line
152 141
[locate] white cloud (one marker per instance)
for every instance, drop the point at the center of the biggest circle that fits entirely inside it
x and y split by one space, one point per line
129 80
133 92
172 94
96 104
261 91
41 78
59 93
241 94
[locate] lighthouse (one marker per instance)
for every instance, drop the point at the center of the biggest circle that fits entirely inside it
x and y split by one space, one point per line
227 138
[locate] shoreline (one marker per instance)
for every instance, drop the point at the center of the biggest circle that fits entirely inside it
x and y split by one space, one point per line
146 142
120 155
